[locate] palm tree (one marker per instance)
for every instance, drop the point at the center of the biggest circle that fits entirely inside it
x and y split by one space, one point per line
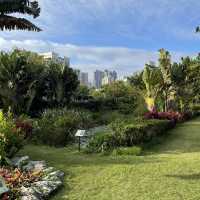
8 7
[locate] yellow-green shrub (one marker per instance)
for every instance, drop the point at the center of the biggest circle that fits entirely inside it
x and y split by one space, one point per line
11 138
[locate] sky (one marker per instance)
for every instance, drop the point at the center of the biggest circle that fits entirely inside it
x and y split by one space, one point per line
119 35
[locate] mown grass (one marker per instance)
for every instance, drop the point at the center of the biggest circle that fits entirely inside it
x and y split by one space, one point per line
169 171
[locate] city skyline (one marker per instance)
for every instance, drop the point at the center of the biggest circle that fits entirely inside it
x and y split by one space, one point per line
96 79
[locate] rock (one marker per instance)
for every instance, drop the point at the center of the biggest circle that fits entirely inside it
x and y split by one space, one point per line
48 170
3 188
30 197
51 175
27 191
50 181
45 188
58 174
50 178
19 162
29 194
35 166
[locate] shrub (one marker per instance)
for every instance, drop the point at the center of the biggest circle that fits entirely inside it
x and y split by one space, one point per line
11 138
57 127
106 117
132 151
196 109
100 143
25 124
175 116
128 134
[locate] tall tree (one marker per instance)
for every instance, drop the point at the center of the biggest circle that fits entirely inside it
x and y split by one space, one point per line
8 7
168 87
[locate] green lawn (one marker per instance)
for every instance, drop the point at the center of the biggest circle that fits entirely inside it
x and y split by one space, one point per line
169 171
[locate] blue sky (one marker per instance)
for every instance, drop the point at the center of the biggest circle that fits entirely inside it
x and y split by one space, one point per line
118 34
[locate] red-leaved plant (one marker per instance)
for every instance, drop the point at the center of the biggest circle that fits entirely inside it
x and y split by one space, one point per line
175 116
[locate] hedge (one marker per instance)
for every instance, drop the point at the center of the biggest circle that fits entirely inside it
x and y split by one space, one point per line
127 134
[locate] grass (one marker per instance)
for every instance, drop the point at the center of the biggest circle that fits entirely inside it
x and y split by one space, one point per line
169 171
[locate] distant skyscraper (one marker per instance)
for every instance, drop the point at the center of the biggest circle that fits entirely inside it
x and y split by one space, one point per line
84 78
98 77
52 56
109 77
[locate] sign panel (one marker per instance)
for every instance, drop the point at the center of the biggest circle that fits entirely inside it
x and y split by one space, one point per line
80 133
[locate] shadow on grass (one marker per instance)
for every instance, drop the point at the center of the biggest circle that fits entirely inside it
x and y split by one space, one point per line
64 158
186 177
183 139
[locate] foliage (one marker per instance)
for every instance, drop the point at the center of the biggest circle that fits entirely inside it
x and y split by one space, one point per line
15 179
169 87
152 78
130 151
175 116
57 126
82 93
128 133
26 125
11 138
18 6
117 96
29 85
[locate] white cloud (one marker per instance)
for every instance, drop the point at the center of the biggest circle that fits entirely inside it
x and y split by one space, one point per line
89 58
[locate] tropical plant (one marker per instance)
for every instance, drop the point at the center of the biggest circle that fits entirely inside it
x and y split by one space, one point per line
60 84
168 89
29 85
8 7
152 78
21 74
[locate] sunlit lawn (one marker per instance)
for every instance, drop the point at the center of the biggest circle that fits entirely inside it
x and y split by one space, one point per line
170 171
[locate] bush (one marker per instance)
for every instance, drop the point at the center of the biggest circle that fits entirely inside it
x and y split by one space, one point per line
128 134
107 117
100 143
26 125
57 127
175 116
196 109
11 137
131 151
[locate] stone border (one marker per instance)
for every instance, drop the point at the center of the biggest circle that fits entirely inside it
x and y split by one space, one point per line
50 182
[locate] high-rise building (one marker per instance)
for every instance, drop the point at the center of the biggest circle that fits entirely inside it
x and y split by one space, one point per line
98 77
52 56
83 78
109 77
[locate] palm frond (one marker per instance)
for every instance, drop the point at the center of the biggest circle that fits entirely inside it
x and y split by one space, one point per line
13 23
20 6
